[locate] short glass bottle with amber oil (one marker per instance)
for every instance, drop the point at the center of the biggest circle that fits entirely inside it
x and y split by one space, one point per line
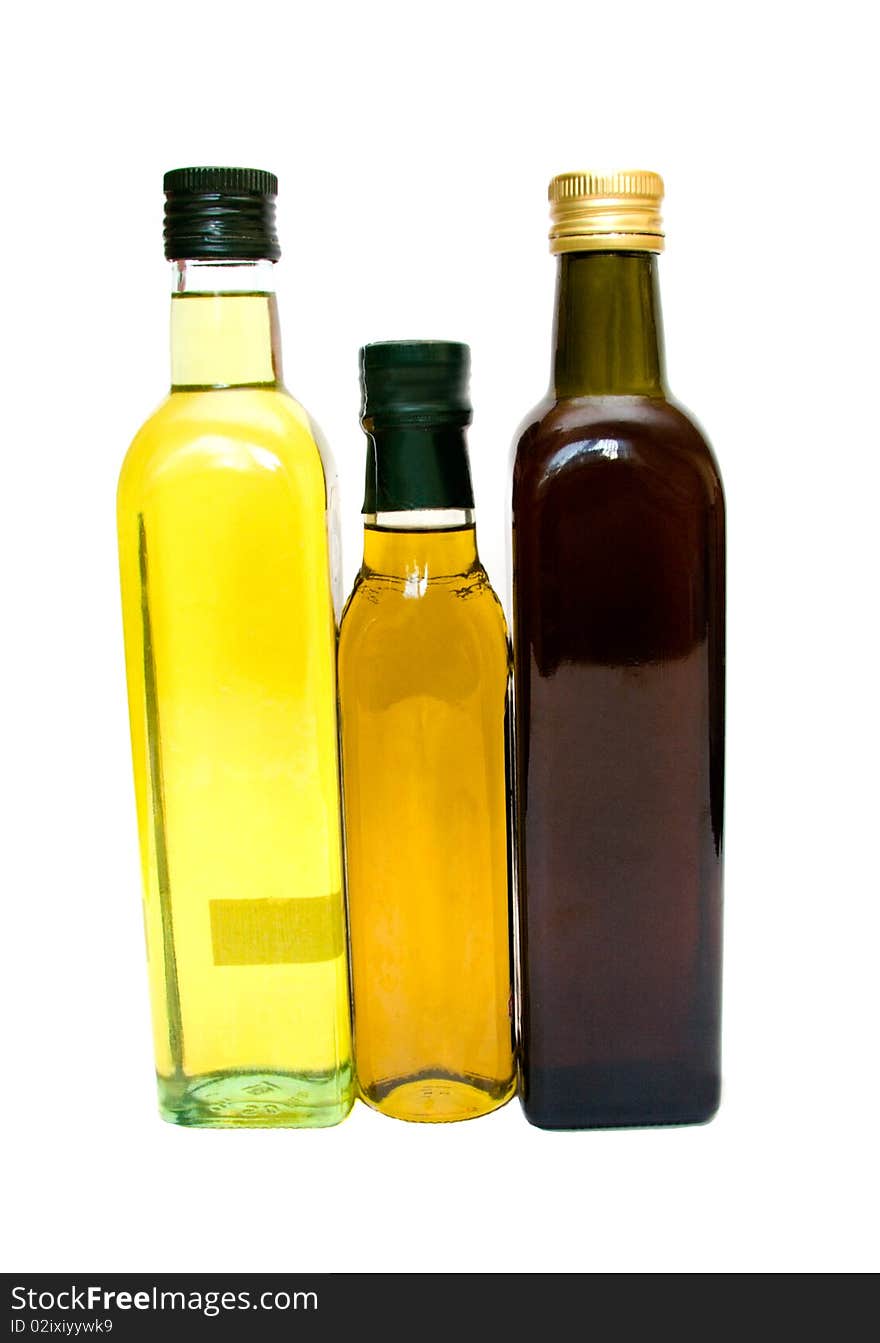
229 623
618 565
423 691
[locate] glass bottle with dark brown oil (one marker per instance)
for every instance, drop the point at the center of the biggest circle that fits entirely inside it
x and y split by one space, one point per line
618 554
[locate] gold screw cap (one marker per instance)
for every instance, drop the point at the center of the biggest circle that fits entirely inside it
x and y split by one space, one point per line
606 212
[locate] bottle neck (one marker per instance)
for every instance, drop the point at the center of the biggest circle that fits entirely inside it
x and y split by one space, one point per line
414 467
419 545
608 326
418 503
224 325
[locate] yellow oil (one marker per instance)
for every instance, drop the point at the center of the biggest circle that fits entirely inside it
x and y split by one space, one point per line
423 682
230 646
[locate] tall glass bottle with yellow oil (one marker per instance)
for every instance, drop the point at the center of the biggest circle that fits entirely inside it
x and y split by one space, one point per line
229 622
423 688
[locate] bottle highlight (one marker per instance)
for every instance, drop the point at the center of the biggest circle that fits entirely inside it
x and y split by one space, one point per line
423 691
227 593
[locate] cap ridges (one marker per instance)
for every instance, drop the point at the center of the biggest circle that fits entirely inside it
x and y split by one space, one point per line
253 180
568 185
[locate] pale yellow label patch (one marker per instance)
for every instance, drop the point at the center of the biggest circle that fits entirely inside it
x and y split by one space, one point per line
277 932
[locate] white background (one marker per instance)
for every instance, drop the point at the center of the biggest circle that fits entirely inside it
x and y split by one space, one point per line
413 145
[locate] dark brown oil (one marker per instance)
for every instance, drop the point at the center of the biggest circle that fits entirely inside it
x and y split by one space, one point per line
619 641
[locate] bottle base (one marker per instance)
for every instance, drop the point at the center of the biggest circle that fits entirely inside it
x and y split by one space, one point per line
257 1099
437 1097
637 1095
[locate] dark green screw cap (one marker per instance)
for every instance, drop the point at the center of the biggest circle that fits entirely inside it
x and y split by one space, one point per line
415 382
415 407
217 214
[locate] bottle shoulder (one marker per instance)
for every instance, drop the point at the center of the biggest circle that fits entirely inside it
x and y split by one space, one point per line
249 429
447 642
441 609
580 433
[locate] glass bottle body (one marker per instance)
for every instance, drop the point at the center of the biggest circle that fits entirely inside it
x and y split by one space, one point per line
229 632
423 685
618 519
